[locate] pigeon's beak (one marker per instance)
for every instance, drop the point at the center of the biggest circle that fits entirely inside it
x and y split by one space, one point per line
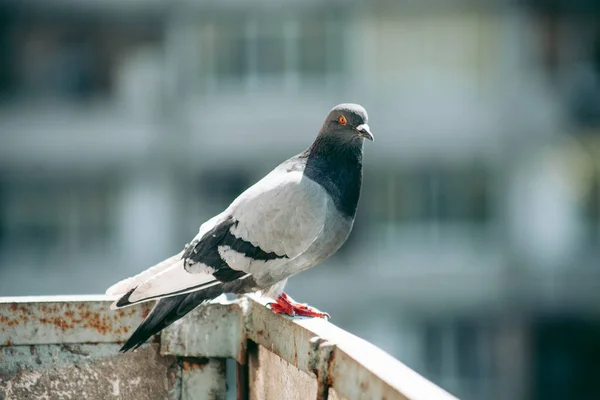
364 131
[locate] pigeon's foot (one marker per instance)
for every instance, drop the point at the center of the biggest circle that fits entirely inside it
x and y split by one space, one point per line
286 305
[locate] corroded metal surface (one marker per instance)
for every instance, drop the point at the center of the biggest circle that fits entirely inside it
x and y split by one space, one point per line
73 319
66 348
282 336
352 367
203 379
272 378
88 371
215 330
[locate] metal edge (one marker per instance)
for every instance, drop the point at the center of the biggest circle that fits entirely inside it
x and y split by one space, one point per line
66 319
353 365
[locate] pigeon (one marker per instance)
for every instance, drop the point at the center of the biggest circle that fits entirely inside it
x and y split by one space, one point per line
295 217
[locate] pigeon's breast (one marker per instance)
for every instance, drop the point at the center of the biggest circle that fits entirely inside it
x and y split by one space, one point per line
336 229
282 215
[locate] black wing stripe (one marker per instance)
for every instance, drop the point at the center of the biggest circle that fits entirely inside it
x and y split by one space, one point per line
206 251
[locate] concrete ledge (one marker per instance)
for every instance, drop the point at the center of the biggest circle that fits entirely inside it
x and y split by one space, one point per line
213 330
352 367
343 365
66 319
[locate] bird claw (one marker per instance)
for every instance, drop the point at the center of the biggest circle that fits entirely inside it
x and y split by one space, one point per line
278 309
285 305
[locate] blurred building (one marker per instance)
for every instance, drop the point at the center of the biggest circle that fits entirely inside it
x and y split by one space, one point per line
124 124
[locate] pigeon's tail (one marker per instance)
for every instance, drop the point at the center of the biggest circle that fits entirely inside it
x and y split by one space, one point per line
169 281
167 311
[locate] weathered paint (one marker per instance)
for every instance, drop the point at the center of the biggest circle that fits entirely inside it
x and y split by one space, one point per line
203 379
271 377
352 367
68 348
69 319
282 336
213 331
65 348
87 371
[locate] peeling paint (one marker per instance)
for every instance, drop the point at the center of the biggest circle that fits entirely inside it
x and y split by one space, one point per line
47 322
101 374
116 390
68 349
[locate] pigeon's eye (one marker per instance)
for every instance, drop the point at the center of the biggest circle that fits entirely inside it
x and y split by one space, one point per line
342 120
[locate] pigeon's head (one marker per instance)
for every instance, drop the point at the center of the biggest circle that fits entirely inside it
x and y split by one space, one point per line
348 122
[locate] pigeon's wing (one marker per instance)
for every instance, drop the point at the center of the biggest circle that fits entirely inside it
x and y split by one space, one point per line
273 222
167 278
268 225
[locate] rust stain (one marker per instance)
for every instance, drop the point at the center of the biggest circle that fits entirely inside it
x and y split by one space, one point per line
69 316
364 386
8 343
145 312
295 352
173 374
101 324
192 365
330 363
57 322
9 322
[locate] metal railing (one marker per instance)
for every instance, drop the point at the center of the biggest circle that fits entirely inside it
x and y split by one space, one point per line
67 348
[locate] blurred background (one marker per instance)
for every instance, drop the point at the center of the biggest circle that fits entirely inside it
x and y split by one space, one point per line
475 254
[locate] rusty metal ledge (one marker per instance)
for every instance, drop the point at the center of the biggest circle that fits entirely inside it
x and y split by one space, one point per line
66 319
351 366
340 361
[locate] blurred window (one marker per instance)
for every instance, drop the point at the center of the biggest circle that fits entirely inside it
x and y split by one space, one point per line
231 49
41 219
457 354
591 206
68 57
258 47
226 185
270 43
564 357
584 97
321 45
217 188
435 193
434 350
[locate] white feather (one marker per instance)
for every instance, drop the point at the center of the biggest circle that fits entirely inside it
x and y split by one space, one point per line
126 285
173 280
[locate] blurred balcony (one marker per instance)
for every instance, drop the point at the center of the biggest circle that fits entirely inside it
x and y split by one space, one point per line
67 347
